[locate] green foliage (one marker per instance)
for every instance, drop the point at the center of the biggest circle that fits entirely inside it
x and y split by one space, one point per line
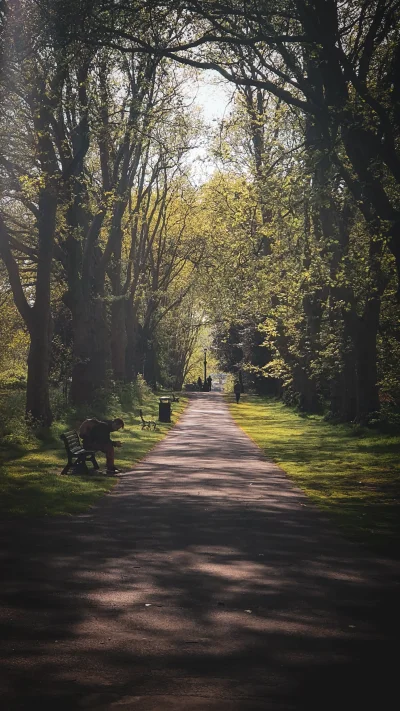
13 344
139 390
13 427
229 383
290 241
294 258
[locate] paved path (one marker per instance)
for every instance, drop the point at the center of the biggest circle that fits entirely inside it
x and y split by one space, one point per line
205 581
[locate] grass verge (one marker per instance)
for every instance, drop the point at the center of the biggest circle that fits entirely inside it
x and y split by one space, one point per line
30 481
352 474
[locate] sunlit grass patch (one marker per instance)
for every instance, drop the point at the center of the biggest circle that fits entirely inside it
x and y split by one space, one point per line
352 474
30 481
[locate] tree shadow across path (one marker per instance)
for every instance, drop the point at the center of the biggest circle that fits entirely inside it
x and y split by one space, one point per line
206 580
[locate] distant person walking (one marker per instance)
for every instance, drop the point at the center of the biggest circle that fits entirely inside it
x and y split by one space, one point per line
199 383
209 381
237 389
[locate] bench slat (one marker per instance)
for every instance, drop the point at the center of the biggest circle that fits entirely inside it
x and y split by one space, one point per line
73 444
75 451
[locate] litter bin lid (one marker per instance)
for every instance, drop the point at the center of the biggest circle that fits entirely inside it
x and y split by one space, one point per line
165 399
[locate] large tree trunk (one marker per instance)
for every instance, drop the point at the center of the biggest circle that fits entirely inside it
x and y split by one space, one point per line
343 384
39 323
306 389
81 390
150 362
354 390
85 299
91 351
147 350
369 191
37 393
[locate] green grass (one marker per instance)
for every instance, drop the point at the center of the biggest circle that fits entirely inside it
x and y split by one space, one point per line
30 481
352 474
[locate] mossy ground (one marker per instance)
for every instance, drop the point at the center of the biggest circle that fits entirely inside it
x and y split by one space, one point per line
353 474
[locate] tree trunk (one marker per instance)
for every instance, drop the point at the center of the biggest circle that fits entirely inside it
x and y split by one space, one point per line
132 362
366 354
118 325
37 393
81 385
354 391
39 323
91 352
150 360
85 299
119 340
343 385
369 191
306 390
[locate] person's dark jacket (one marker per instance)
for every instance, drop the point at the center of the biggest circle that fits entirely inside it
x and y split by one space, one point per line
99 433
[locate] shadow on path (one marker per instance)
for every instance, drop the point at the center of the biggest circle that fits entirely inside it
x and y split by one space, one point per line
206 580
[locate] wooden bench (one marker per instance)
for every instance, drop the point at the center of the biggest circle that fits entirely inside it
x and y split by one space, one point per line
147 424
169 398
77 455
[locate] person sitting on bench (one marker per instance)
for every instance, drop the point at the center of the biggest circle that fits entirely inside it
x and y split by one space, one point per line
95 435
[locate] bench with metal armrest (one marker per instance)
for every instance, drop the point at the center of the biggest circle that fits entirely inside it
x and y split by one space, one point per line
147 424
77 455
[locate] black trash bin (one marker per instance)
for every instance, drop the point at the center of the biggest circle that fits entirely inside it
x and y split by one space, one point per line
164 409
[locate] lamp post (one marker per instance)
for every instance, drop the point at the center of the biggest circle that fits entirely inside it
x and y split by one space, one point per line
205 366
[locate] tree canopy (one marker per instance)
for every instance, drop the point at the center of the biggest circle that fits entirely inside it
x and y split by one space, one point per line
114 256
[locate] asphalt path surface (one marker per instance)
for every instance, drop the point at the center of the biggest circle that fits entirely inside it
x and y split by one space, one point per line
204 581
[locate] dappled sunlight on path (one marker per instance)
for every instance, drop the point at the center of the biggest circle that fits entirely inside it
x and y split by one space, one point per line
206 580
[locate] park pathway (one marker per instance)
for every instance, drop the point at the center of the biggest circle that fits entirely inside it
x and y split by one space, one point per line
205 581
